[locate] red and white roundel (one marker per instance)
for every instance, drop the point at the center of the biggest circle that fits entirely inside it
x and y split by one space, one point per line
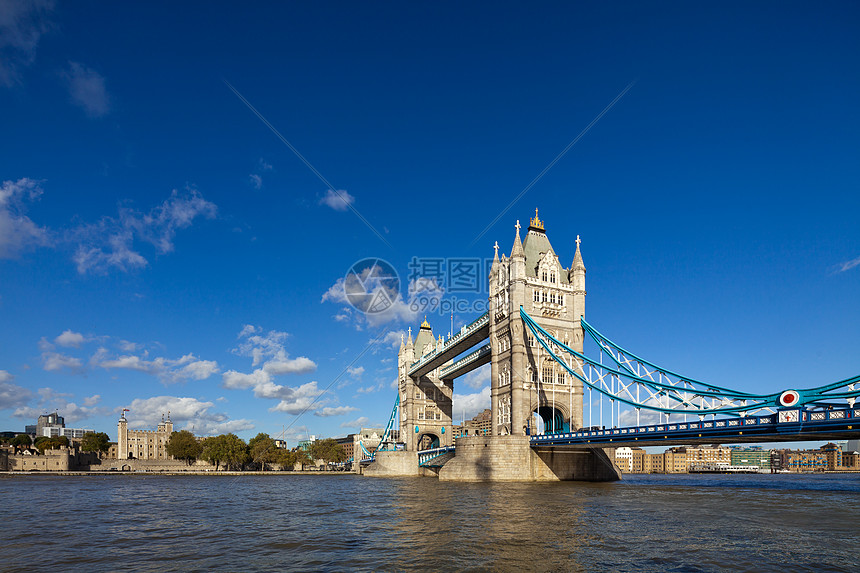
789 398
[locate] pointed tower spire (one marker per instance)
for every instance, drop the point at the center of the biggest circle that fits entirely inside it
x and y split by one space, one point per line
577 258
517 250
409 338
402 343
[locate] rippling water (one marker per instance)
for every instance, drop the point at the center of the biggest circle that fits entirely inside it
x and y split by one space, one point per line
345 522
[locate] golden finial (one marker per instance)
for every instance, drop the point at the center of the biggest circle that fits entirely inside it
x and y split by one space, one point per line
536 223
425 324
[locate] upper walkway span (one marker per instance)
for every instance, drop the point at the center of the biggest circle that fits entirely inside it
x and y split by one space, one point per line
469 336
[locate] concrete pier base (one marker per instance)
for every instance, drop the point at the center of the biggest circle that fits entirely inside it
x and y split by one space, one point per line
394 464
510 458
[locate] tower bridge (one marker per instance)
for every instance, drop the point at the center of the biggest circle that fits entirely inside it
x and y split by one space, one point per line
533 338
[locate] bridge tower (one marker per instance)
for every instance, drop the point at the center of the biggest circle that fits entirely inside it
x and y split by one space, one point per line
425 400
526 384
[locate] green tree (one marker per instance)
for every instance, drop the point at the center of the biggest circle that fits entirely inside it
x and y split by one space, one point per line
327 450
286 459
227 449
182 445
21 441
95 442
263 450
213 452
43 443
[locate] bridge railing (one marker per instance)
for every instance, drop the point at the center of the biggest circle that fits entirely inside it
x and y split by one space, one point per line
788 421
425 456
483 351
465 331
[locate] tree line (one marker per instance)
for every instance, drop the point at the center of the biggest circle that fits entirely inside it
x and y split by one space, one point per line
232 453
91 442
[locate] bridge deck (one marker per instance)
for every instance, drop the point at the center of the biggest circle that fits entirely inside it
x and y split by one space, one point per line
464 340
836 424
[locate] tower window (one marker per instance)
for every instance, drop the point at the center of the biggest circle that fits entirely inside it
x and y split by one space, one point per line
543 296
552 277
561 299
543 276
537 296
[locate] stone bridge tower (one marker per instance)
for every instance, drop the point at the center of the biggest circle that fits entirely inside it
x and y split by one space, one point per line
524 380
425 401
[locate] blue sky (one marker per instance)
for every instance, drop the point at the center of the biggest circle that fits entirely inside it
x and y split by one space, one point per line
162 249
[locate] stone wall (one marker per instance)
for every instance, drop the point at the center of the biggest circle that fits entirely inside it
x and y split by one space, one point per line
151 466
392 464
510 458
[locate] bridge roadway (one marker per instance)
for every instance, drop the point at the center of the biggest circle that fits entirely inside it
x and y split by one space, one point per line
810 425
468 337
835 424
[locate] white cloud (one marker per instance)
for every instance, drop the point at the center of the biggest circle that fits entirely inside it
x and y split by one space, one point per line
848 265
370 389
476 378
267 351
298 399
17 232
87 89
186 413
356 372
395 308
256 181
92 400
357 423
50 400
334 411
264 165
188 367
53 361
22 24
70 339
338 200
12 395
110 243
467 406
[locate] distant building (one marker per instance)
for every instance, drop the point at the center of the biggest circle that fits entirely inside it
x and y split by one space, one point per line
143 444
480 425
852 446
52 426
751 457
45 420
624 459
805 461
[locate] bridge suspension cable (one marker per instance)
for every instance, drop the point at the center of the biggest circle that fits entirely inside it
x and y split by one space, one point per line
628 379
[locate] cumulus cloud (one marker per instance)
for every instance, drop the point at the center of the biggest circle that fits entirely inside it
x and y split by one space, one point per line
476 378
92 400
17 232
169 371
186 413
268 354
370 389
110 243
12 395
53 361
22 24
380 295
356 371
334 411
70 338
87 89
467 406
50 400
357 423
338 200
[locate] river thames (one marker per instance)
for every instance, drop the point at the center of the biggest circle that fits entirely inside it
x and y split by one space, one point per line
346 522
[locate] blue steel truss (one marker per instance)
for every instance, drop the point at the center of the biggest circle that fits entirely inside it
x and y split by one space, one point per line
628 379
